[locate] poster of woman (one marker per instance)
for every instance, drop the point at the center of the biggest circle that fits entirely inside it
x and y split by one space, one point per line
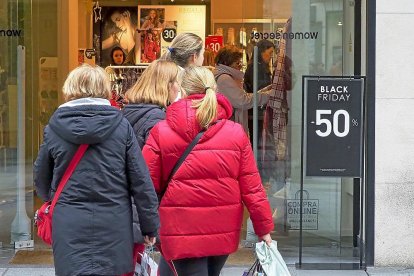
151 26
118 29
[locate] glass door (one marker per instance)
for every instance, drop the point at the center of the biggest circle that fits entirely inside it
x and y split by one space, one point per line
317 39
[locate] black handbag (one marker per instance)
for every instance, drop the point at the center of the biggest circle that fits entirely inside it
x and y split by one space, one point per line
255 270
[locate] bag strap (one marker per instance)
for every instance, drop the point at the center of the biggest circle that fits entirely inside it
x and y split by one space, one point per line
68 173
180 161
185 154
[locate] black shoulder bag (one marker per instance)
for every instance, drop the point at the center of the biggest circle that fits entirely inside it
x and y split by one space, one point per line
181 160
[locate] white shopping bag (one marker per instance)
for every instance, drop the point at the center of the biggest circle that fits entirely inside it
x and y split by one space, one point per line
148 266
271 260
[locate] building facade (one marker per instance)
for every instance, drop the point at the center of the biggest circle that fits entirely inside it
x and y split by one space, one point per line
361 222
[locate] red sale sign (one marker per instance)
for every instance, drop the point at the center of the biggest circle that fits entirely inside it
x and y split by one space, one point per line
214 42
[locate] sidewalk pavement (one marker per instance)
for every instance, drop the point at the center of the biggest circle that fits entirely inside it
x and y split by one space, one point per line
24 270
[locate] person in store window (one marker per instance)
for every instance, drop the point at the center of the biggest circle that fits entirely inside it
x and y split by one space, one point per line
92 220
201 209
117 59
230 83
121 31
264 78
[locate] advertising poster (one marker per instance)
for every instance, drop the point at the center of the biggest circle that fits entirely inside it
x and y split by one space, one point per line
159 25
333 126
116 32
151 24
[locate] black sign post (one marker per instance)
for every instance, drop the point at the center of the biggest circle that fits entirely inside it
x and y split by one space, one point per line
333 126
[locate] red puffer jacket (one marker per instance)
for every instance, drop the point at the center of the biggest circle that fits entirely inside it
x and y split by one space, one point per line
201 211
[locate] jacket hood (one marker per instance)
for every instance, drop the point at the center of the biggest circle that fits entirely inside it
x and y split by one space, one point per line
135 112
224 69
181 117
85 124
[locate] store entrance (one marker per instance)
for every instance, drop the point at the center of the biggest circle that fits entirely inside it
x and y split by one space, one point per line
320 42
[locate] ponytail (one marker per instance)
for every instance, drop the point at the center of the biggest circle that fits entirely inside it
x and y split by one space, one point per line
206 108
200 80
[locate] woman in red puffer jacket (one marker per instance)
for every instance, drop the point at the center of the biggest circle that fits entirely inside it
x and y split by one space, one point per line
202 207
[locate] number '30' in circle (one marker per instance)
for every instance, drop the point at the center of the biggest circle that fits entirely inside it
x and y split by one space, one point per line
169 34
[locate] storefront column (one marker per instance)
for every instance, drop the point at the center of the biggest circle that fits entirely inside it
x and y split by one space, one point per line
67 40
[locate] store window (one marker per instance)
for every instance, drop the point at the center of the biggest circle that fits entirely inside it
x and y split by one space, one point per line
312 37
28 96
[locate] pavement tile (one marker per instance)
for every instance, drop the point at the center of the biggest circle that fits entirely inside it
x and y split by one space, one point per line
330 273
30 272
389 271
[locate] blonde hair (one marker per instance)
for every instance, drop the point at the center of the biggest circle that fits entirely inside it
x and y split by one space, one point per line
200 80
87 81
182 48
153 85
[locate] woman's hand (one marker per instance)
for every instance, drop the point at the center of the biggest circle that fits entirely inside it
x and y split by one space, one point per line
267 239
149 240
267 89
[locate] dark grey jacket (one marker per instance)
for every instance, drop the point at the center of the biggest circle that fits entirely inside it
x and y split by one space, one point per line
92 221
142 117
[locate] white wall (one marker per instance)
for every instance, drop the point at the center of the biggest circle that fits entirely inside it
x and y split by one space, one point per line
394 147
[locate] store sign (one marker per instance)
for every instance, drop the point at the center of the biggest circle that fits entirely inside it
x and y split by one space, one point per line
333 126
310 212
168 34
214 43
89 53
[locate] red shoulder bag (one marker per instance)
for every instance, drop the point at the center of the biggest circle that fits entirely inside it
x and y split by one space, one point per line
43 216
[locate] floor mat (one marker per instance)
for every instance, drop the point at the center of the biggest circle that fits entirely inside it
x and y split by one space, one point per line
41 257
243 256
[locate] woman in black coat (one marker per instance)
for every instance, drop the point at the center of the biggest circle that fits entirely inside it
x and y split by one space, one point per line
149 97
264 78
92 221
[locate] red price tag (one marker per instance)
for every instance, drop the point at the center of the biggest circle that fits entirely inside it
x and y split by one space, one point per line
214 43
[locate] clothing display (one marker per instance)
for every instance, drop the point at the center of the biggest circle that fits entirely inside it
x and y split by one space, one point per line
277 109
122 79
219 32
243 37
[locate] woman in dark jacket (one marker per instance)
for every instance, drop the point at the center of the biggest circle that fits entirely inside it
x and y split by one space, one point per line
148 99
92 220
264 78
201 210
